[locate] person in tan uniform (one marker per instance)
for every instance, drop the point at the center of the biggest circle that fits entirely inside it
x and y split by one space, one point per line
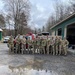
34 46
18 41
11 44
56 45
29 46
60 45
43 43
38 43
48 45
23 41
53 45
65 46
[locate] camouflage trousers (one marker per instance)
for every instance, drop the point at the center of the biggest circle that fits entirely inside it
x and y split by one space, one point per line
56 49
23 48
53 50
18 48
34 48
65 49
60 49
48 49
43 49
11 47
38 49
29 48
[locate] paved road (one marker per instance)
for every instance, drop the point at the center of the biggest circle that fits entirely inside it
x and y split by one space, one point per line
17 64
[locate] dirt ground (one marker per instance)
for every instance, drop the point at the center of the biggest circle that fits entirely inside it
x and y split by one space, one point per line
18 64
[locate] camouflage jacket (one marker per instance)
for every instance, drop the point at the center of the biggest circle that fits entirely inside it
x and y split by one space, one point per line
10 41
43 43
34 42
66 42
18 40
38 42
56 42
60 42
48 42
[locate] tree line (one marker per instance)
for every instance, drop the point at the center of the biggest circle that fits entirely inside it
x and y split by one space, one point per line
17 17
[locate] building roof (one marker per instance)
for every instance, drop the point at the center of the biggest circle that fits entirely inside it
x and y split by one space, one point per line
1 30
63 20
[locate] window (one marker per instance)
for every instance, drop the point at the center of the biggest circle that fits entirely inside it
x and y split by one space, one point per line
59 31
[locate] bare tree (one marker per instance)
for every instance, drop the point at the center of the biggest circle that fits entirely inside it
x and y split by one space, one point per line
51 21
72 2
17 8
8 23
2 21
22 23
57 10
61 11
68 11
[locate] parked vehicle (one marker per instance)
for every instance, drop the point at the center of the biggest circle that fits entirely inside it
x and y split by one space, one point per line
6 39
45 33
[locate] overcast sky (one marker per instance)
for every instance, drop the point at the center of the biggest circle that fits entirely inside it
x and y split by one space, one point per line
40 11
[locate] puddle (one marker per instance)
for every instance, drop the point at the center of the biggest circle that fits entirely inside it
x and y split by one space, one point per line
9 70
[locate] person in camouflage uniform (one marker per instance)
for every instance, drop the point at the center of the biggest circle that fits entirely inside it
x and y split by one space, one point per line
38 43
48 45
23 41
60 45
34 45
40 47
53 44
43 43
29 45
11 44
65 46
18 41
56 44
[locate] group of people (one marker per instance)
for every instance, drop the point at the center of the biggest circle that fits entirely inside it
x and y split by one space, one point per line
54 45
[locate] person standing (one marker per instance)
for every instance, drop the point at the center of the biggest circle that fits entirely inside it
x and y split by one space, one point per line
65 46
38 44
48 46
18 42
60 45
53 45
23 41
34 46
29 46
56 45
43 45
11 44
